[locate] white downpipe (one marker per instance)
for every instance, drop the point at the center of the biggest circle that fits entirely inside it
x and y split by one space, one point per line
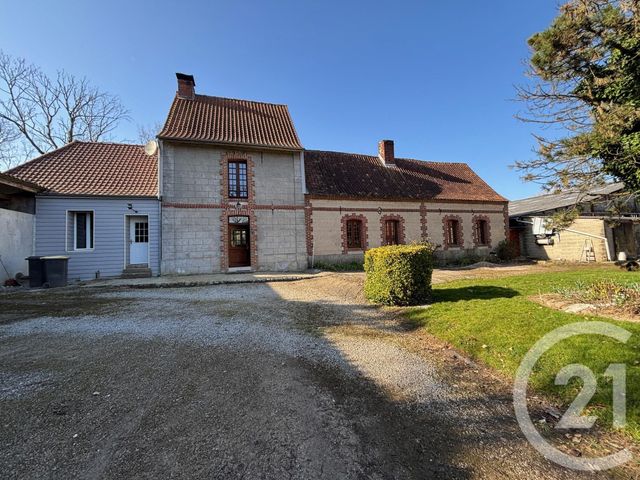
302 174
606 242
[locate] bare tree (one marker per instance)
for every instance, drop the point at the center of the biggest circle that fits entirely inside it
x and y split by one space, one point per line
148 132
46 113
7 144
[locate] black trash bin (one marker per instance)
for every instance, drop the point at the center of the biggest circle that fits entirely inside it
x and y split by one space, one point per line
36 271
55 271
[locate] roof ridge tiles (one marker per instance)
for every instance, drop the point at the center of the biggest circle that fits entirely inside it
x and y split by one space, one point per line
218 97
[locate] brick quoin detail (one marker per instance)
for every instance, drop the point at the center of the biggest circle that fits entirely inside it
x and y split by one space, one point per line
308 223
445 219
383 221
424 234
230 208
343 232
505 214
476 240
224 237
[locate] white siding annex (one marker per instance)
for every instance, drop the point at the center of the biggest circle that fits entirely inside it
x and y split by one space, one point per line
54 234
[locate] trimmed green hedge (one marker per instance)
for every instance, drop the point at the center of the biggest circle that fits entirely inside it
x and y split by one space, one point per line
399 274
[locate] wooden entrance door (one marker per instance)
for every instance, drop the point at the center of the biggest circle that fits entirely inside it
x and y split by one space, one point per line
239 246
514 237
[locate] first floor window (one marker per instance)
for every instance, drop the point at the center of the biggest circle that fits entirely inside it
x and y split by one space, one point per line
238 179
391 232
354 234
482 232
453 232
82 230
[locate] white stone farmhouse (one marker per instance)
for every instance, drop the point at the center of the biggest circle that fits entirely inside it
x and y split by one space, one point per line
231 188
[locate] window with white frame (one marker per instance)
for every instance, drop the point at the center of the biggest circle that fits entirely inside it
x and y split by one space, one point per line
82 230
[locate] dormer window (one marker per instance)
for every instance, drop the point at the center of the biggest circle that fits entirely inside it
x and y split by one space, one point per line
238 179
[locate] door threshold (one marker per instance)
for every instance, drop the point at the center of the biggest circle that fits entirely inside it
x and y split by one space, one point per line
239 270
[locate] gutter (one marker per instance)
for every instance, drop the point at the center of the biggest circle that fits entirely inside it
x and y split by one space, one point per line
160 192
246 146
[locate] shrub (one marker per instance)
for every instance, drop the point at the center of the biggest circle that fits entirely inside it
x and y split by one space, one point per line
507 250
399 274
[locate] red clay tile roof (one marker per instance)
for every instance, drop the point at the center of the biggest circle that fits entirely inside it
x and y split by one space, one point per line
90 168
230 121
336 174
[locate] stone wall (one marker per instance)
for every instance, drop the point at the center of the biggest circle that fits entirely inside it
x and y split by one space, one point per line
190 240
196 206
281 241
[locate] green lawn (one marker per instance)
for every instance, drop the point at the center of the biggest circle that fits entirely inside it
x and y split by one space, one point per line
493 321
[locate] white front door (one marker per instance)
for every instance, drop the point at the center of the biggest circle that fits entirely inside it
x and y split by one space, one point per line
138 240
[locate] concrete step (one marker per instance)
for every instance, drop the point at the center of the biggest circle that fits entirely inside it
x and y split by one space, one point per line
136 272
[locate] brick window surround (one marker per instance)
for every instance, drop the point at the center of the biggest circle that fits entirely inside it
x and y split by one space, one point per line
227 157
445 224
237 207
476 233
383 228
364 232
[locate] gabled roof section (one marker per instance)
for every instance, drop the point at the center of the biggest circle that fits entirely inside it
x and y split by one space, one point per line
92 168
546 203
336 174
230 121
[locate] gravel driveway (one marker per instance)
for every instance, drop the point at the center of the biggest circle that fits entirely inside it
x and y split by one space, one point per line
284 380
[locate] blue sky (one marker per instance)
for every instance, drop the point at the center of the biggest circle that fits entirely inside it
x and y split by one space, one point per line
436 77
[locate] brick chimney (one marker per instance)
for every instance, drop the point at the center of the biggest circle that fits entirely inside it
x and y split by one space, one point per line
385 152
186 86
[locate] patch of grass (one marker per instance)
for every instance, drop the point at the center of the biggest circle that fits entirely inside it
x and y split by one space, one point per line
494 322
54 303
340 267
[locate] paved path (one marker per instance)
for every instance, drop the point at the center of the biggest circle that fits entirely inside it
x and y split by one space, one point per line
278 380
202 280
